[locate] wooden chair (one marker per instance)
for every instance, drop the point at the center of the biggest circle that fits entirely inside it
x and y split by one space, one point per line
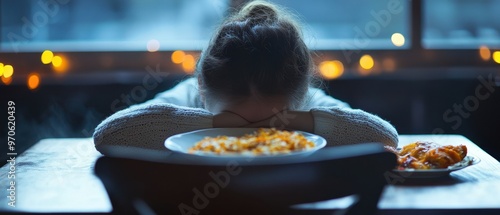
141 181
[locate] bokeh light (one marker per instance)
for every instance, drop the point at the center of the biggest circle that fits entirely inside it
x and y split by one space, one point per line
56 61
60 63
47 56
8 71
6 81
189 64
484 53
178 57
153 45
389 64
33 81
1 69
398 39
496 56
366 62
331 69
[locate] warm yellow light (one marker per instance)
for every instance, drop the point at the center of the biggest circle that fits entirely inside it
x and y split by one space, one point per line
153 45
8 71
47 56
484 53
398 39
389 64
1 69
60 63
178 56
33 81
366 62
188 64
496 57
6 81
331 69
56 61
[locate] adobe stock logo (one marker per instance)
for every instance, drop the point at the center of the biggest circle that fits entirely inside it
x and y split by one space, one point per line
31 27
363 37
461 111
211 190
139 93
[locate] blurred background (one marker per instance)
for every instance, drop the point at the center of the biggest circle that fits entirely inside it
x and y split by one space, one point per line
427 66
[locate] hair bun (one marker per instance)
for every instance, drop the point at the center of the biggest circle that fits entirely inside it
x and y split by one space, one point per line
259 11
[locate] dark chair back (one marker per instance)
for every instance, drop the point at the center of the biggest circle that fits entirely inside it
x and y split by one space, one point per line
141 181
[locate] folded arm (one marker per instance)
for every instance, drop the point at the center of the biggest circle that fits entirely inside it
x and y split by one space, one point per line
339 126
148 125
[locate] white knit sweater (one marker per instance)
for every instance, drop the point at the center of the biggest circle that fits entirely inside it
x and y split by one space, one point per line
179 110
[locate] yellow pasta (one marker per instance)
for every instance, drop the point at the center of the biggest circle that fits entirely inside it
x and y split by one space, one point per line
265 141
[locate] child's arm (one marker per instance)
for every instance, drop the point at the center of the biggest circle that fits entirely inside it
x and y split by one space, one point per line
148 125
339 126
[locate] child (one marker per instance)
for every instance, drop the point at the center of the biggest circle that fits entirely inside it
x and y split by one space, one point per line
255 72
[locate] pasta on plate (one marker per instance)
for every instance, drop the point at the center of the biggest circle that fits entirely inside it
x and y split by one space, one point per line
262 142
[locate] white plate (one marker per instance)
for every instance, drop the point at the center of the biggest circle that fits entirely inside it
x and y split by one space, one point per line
183 142
434 173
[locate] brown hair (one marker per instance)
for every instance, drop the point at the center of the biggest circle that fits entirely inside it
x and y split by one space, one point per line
259 50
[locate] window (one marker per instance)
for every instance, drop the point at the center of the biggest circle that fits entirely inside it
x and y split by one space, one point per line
461 24
111 25
354 24
137 25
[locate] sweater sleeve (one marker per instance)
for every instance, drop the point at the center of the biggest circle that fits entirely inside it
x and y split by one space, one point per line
341 126
148 125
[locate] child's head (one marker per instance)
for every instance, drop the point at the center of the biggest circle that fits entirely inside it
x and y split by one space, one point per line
256 54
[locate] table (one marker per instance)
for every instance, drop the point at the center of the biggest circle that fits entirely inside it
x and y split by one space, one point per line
56 175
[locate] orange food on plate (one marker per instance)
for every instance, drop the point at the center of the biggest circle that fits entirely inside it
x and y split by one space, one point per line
429 155
262 142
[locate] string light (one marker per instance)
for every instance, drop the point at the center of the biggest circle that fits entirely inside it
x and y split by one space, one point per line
331 69
47 56
484 53
60 63
398 39
496 56
33 81
153 45
389 64
188 64
56 61
178 57
8 71
6 81
366 62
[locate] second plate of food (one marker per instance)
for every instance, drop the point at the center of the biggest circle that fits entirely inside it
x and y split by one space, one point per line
424 159
250 142
435 173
